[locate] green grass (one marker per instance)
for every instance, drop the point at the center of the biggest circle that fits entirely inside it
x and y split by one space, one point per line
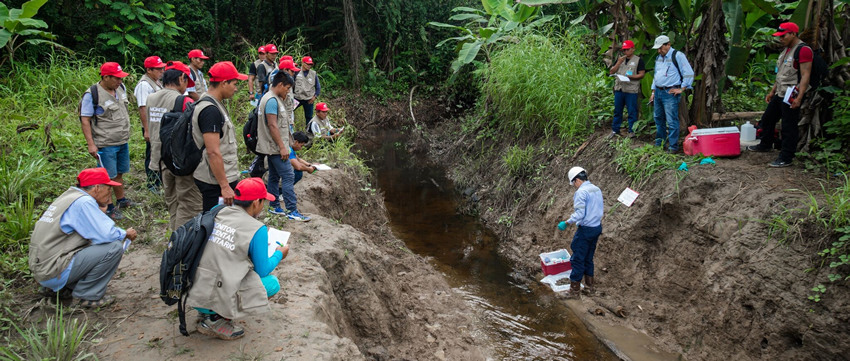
517 160
641 163
62 339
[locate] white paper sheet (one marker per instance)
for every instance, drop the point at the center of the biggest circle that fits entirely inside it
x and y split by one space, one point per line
277 238
621 77
788 94
127 243
322 167
628 197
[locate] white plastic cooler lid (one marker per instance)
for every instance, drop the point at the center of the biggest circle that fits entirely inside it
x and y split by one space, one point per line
714 131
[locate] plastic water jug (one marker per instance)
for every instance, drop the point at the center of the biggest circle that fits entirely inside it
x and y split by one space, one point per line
748 132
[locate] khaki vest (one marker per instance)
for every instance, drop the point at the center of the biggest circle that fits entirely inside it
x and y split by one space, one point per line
324 125
629 67
153 83
113 126
227 145
265 142
159 103
786 75
257 86
51 249
225 281
305 85
200 83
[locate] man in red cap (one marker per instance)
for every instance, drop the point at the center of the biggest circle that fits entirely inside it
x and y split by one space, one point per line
105 120
74 247
253 81
150 83
181 194
213 131
307 87
627 71
236 261
196 63
320 125
792 82
264 72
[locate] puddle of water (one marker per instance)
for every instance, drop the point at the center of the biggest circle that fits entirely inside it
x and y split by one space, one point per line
521 321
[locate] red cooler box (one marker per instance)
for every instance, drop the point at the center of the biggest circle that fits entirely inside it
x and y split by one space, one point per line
719 142
559 262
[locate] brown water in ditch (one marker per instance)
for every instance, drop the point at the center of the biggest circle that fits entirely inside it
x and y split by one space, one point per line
522 322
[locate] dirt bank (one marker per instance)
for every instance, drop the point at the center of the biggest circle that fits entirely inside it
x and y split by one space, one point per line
690 261
347 293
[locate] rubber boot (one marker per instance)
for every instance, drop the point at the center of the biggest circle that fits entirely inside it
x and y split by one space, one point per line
575 290
588 286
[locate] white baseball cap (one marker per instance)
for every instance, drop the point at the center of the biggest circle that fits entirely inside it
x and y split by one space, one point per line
661 40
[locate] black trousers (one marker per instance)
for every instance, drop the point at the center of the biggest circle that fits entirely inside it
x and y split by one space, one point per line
210 193
776 110
154 177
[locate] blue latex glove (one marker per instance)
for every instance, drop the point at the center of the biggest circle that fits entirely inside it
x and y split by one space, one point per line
562 226
684 166
708 160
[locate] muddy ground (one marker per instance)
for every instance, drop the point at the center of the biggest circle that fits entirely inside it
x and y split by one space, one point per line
690 261
349 291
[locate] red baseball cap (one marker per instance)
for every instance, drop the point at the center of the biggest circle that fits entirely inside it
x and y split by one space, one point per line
94 176
261 49
197 53
286 57
271 49
251 189
786 28
154 62
288 65
112 68
322 107
307 60
628 44
224 71
176 65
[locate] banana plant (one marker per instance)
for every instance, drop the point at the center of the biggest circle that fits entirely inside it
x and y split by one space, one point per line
482 29
19 27
746 20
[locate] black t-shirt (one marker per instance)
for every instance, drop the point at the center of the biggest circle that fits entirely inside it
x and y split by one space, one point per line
252 70
211 121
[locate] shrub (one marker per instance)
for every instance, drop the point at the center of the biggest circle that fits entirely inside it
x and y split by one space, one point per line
518 160
61 340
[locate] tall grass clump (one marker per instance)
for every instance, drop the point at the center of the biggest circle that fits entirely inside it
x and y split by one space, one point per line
62 339
545 84
643 162
517 160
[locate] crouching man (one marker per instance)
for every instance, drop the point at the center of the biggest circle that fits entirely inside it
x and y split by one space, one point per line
234 277
75 246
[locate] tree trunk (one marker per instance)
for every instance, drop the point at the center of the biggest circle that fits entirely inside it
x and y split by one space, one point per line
353 41
709 62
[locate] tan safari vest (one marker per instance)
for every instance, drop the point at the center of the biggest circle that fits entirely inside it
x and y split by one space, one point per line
324 125
628 67
227 145
51 249
153 83
159 103
305 85
257 86
265 142
113 126
225 281
200 82
786 75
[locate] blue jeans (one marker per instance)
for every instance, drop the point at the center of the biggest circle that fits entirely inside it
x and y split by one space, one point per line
281 181
308 110
667 118
116 159
583 247
630 101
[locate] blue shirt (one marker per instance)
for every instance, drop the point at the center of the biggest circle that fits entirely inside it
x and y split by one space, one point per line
87 109
258 251
292 154
666 74
85 217
271 106
588 207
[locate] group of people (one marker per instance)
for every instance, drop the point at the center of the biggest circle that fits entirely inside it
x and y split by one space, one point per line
76 246
673 74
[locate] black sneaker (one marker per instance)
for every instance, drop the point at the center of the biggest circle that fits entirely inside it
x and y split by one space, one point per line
757 148
115 214
126 203
779 163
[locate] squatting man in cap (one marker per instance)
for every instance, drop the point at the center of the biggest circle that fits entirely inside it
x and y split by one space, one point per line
234 277
588 209
75 247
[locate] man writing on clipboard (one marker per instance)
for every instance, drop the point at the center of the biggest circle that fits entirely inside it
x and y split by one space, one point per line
791 73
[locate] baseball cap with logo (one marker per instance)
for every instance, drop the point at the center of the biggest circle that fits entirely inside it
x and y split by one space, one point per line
271 49
94 176
197 53
154 62
261 50
287 64
176 65
661 40
307 60
112 68
224 71
322 107
628 44
786 28
287 57
251 189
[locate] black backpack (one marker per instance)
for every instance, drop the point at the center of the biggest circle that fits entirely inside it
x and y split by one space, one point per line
95 98
820 70
166 127
250 129
179 153
180 261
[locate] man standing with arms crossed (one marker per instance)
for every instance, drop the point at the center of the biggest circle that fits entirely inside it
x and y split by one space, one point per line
588 209
196 63
149 84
